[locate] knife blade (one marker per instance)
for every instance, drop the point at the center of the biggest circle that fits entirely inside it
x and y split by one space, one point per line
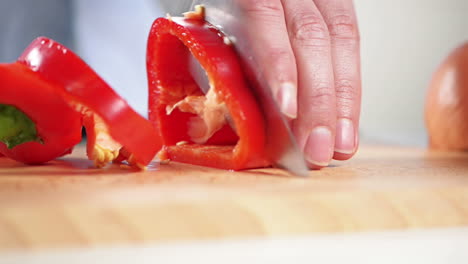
227 16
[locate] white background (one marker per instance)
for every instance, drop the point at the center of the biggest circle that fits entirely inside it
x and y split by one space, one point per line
416 246
403 41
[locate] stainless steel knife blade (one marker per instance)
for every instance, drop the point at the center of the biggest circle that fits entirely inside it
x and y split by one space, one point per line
227 16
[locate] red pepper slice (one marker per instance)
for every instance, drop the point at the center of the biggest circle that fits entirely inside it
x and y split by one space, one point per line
91 95
57 124
171 43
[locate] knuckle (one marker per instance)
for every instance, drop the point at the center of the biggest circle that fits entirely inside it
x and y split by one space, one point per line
343 26
309 28
322 97
261 7
346 93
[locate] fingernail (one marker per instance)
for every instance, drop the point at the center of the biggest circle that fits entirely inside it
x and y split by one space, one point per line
345 139
287 99
318 149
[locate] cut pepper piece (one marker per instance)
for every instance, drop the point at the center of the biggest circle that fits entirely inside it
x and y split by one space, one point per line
88 93
100 147
235 141
56 126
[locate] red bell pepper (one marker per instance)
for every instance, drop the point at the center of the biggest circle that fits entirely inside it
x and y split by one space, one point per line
224 129
37 124
107 116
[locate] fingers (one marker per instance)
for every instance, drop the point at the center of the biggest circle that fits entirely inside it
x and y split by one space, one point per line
310 49
310 41
271 46
340 17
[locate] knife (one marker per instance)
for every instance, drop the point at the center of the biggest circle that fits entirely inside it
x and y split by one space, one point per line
227 16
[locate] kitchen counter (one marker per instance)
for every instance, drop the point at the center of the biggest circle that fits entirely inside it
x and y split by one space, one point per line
70 204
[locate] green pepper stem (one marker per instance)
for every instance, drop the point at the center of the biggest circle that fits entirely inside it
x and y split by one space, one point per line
16 127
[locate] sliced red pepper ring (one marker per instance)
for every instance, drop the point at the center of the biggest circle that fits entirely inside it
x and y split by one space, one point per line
58 126
236 141
97 101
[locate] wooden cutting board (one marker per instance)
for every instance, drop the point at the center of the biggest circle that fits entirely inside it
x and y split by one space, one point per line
68 203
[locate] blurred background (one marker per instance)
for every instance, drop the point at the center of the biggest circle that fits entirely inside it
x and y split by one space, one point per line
402 44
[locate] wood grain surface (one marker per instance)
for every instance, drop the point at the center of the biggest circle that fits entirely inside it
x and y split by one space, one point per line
68 203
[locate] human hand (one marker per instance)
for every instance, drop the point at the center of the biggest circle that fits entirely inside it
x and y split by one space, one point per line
312 51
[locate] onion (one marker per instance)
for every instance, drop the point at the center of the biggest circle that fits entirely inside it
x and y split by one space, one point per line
447 103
